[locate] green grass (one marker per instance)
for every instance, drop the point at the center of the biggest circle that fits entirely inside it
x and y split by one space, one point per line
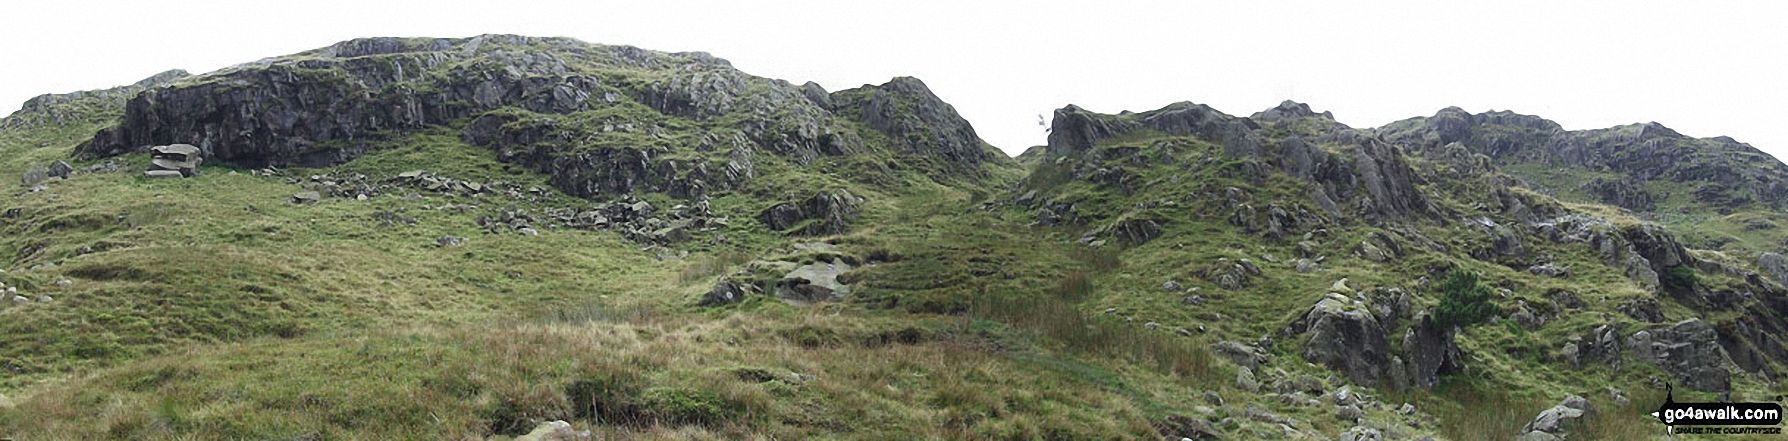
213 308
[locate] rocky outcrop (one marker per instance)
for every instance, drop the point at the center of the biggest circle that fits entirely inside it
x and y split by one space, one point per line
1290 111
1505 246
1775 266
916 121
1367 178
1643 252
1346 337
559 149
1737 173
1689 351
1232 274
1385 175
1428 352
823 214
531 100
1074 130
1136 231
87 106
1625 193
1657 247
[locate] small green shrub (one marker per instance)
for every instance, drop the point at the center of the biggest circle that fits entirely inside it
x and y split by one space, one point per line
1681 278
1463 301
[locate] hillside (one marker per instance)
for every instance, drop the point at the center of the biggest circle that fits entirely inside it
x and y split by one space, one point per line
419 238
1722 194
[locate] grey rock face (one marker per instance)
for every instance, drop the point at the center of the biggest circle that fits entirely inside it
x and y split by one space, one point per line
1430 351
1626 193
831 212
1074 130
1775 266
556 149
1346 337
323 107
920 123
1645 309
1690 351
1388 179
1658 247
1505 245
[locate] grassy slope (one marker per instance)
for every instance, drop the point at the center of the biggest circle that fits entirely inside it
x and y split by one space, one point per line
213 307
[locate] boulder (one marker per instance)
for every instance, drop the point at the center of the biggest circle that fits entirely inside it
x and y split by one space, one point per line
306 197
1241 354
1188 428
60 169
554 431
1361 433
1136 231
1345 336
1232 274
725 293
1564 299
1560 419
1372 253
1349 413
1244 380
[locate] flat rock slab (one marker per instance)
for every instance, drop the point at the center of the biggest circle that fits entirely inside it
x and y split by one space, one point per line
814 282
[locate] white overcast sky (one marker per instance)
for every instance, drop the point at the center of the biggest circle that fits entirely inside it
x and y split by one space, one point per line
1704 68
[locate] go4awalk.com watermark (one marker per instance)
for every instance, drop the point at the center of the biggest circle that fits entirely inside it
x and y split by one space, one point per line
1719 418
